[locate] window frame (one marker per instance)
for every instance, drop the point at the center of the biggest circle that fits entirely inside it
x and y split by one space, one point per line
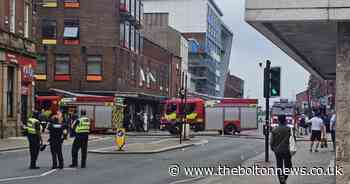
50 3
100 62
26 20
71 23
62 76
46 37
71 3
10 91
12 15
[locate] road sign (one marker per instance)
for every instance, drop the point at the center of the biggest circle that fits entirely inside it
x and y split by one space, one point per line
120 138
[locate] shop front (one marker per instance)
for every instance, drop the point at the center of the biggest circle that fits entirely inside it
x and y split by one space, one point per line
16 94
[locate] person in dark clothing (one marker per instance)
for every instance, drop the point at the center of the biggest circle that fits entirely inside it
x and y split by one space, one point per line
33 132
82 130
56 139
280 146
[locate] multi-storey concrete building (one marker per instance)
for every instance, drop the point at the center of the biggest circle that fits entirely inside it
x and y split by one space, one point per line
97 47
209 40
17 61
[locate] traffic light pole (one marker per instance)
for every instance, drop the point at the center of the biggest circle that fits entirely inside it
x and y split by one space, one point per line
267 78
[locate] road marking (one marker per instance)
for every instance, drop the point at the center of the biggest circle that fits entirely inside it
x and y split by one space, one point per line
187 180
28 177
48 172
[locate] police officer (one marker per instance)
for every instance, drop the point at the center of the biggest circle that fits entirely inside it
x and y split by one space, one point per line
33 131
82 130
56 139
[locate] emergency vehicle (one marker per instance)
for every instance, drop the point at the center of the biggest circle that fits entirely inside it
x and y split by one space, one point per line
103 111
227 115
283 107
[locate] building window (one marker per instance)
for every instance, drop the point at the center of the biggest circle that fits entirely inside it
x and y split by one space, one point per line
132 37
132 7
41 69
94 68
49 31
141 13
50 3
137 41
124 34
141 43
71 32
62 68
124 5
26 20
132 70
12 16
10 91
137 11
71 4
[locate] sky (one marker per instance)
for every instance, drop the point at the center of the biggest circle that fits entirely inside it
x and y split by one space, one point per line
250 47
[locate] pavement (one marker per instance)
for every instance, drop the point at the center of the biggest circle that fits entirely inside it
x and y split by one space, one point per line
323 159
150 147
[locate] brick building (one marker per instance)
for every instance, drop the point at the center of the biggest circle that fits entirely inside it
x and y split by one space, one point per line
157 29
234 87
97 47
17 60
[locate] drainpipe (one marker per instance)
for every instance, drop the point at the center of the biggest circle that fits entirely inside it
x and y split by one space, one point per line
3 105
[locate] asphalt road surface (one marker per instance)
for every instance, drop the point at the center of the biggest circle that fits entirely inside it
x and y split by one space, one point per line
133 169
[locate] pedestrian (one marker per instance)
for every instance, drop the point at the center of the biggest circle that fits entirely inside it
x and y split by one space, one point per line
82 130
317 127
55 128
33 131
145 121
280 146
303 125
333 128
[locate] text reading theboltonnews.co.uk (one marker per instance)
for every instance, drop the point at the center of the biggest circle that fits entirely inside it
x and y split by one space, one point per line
256 170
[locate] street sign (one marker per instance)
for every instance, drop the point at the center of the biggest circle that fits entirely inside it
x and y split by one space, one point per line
120 139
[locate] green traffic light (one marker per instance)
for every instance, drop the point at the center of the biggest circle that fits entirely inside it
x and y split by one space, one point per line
274 92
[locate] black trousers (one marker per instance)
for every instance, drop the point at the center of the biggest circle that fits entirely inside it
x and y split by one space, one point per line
56 153
80 143
34 148
333 138
284 160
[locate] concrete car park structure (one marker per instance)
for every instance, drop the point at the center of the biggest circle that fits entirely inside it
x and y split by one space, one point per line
316 34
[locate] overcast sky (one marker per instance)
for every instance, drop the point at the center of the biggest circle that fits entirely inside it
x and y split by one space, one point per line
250 47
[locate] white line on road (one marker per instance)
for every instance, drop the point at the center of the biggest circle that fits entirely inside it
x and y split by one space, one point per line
48 172
28 177
187 180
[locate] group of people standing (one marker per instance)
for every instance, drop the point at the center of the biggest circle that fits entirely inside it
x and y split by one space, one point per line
282 135
57 127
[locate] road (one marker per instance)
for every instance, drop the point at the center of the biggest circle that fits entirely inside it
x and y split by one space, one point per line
145 169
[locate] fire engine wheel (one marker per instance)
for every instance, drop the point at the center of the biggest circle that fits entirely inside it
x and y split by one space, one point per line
230 130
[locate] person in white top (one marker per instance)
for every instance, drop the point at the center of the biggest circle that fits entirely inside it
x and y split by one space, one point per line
317 127
332 128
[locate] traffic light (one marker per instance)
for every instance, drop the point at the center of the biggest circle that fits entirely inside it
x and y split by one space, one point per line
275 83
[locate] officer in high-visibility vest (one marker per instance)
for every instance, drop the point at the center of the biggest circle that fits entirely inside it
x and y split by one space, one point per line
82 130
33 131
